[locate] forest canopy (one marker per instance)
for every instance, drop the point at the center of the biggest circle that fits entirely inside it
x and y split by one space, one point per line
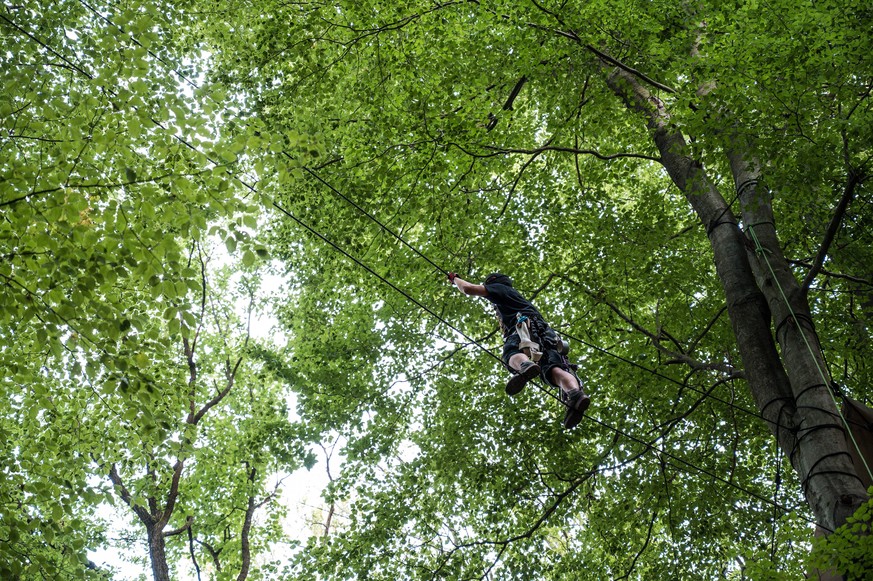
226 229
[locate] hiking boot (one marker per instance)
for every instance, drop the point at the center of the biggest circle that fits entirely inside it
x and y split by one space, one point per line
577 402
516 383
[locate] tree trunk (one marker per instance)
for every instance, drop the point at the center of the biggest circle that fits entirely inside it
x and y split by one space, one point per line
821 457
245 548
158 554
796 403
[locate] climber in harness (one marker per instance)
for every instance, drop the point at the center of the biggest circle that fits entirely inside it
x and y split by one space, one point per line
530 346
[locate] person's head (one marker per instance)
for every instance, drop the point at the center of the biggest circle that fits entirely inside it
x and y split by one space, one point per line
498 278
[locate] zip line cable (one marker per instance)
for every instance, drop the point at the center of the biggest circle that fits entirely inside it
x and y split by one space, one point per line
601 349
370 216
757 415
420 305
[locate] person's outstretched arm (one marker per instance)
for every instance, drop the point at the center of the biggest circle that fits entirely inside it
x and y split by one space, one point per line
468 288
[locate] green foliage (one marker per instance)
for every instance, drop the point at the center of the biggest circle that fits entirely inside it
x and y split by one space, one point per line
115 185
451 479
848 551
122 184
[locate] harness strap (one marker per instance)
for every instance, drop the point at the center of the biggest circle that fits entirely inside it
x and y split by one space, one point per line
526 344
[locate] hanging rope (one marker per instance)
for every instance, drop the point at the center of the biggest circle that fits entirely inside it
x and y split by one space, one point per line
777 479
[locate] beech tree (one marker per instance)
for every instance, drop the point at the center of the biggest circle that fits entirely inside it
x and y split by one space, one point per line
130 377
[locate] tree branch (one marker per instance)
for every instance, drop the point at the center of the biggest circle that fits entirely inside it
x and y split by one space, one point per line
230 374
191 551
89 186
706 329
831 232
678 357
518 178
212 553
144 515
575 151
172 494
831 273
245 548
602 55
643 548
188 522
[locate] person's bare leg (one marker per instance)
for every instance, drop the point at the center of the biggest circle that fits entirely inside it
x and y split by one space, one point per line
563 379
577 401
517 382
516 360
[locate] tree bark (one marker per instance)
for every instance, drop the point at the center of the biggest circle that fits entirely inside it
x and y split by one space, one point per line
829 478
245 547
793 398
158 553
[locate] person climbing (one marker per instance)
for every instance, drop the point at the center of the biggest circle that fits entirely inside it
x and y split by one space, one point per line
530 346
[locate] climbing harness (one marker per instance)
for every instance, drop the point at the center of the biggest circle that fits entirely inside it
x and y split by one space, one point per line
527 345
535 338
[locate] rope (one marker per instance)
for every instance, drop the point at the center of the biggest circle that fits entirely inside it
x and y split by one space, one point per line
713 224
556 397
777 479
368 215
760 251
438 267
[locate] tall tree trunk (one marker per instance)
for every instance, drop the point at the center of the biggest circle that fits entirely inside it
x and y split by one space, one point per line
245 547
822 459
796 403
158 553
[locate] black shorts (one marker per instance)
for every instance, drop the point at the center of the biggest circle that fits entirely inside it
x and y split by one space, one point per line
550 359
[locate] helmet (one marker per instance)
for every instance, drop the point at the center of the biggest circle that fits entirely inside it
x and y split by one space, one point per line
498 278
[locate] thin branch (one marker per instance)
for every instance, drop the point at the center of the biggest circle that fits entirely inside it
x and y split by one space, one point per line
518 178
212 553
172 495
193 554
230 372
603 56
245 548
144 515
830 273
605 157
95 185
507 106
187 526
706 329
831 232
704 396
678 357
327 457
218 397
202 320
643 548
